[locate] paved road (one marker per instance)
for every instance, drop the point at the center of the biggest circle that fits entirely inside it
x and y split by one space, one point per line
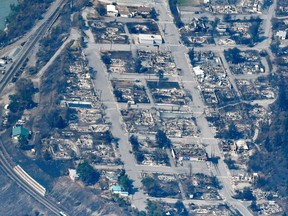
30 43
172 43
179 53
118 129
33 38
6 166
102 83
172 39
74 35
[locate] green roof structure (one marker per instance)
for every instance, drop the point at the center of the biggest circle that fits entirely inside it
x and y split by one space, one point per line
19 130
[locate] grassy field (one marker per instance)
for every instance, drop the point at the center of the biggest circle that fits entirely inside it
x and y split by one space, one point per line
190 3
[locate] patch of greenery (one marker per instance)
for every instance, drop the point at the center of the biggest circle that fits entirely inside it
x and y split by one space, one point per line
20 22
21 100
175 13
106 59
234 56
231 164
246 194
154 188
136 149
24 143
272 160
125 182
87 174
162 140
101 9
52 42
154 210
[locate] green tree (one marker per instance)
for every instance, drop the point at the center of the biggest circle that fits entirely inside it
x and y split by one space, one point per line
134 142
162 140
246 194
149 183
125 182
23 142
154 210
56 120
101 9
234 56
106 59
47 155
87 174
22 99
139 156
154 15
254 207
181 210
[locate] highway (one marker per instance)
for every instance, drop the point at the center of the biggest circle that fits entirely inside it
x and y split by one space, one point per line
5 164
34 38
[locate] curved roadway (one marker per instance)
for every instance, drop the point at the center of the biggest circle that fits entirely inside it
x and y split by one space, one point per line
5 164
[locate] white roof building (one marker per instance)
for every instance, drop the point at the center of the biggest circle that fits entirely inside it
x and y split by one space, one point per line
241 144
150 39
111 10
198 71
281 35
73 174
2 62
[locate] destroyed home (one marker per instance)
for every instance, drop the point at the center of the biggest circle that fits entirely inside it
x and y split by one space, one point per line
160 185
212 77
155 62
188 152
255 90
197 32
221 209
148 152
178 124
200 186
108 32
140 120
164 92
127 91
143 28
244 62
119 61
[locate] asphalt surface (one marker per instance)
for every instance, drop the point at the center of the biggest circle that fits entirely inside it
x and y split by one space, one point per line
172 39
6 164
179 52
30 43
172 36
